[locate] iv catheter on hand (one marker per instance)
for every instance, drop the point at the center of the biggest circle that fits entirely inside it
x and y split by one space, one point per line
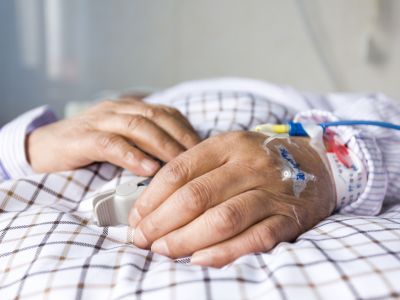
331 143
297 129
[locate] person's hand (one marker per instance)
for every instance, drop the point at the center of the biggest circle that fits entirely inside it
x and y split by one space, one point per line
229 196
127 133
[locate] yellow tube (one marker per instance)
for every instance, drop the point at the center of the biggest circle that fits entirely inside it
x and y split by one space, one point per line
273 128
281 128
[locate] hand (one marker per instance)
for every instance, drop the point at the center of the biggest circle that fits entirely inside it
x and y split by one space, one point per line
126 133
226 197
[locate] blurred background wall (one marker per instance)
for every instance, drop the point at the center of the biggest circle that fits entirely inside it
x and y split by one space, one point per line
56 51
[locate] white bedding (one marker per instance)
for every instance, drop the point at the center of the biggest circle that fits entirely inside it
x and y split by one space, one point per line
51 247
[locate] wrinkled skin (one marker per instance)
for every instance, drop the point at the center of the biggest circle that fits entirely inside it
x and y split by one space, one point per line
128 133
225 197
220 199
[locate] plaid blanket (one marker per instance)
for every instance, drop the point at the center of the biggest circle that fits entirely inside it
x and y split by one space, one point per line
51 248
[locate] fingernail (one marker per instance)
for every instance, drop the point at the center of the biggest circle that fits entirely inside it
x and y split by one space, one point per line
149 165
202 259
135 217
160 247
139 239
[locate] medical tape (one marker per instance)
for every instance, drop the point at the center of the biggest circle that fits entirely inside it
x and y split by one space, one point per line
291 171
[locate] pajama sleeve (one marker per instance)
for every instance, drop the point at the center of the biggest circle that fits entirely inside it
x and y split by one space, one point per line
13 159
378 148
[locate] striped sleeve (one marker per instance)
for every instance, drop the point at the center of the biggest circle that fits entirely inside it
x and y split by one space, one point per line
13 161
378 148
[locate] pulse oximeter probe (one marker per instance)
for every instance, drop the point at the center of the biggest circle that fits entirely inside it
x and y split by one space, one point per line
112 207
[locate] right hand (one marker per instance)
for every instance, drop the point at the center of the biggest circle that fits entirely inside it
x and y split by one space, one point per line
127 133
240 199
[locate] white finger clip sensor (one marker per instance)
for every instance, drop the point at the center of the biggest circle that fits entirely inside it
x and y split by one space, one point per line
112 207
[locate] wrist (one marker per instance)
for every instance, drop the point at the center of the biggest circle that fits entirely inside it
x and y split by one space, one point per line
33 144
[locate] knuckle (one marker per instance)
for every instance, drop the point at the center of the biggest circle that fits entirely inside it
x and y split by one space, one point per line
141 207
173 111
129 156
176 171
127 99
150 228
178 247
172 148
186 138
84 122
196 197
168 109
107 142
237 136
164 142
133 122
264 238
152 112
141 243
106 104
234 138
227 220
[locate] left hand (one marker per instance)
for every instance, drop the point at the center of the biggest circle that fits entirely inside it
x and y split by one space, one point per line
225 197
128 133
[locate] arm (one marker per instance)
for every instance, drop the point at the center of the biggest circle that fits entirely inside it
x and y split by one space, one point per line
127 132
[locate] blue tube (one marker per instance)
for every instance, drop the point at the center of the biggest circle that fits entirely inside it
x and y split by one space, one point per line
297 129
360 122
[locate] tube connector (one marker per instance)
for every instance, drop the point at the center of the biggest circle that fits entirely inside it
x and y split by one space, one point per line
296 129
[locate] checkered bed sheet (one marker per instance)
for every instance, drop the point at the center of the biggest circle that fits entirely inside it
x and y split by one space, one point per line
51 248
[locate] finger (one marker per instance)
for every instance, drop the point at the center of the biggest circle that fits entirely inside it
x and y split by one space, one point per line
133 96
144 133
216 224
175 112
175 174
167 118
261 237
101 146
144 106
191 200
177 127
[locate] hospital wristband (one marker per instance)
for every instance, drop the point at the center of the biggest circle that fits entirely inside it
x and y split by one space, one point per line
350 182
